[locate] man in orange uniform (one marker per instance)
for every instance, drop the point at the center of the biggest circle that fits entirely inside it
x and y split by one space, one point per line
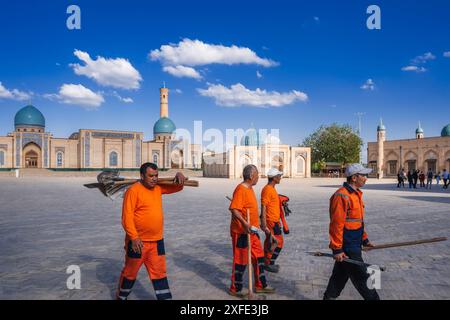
244 199
143 220
270 219
347 235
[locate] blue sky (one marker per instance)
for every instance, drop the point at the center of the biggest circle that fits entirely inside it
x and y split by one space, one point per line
321 50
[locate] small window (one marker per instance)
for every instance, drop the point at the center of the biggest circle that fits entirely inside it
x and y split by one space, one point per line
113 159
155 159
59 159
2 158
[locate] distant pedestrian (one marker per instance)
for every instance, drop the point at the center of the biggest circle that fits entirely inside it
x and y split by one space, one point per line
445 177
415 177
410 178
429 178
438 178
403 177
399 179
422 179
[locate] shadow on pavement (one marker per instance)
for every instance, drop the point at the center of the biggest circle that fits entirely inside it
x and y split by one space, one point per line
429 199
108 273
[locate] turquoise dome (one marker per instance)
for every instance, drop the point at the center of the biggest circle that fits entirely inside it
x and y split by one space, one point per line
164 125
381 126
419 129
251 138
446 131
29 116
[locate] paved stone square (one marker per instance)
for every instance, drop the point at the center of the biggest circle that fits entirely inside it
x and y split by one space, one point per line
49 223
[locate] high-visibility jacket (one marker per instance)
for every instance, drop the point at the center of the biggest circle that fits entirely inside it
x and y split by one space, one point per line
347 220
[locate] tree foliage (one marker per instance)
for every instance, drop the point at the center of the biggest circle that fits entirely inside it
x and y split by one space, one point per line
334 143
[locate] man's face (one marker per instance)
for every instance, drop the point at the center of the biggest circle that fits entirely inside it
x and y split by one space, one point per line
360 180
150 178
277 179
255 177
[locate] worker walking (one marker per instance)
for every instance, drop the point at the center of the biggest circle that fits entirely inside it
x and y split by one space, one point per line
142 220
347 235
270 220
244 200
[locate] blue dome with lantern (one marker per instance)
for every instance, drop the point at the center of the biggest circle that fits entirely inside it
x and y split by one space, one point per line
419 129
381 126
164 125
29 116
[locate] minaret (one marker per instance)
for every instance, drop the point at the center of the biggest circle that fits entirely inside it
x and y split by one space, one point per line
419 132
164 102
381 137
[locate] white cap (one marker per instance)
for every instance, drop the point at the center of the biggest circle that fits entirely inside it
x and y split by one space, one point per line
273 173
356 168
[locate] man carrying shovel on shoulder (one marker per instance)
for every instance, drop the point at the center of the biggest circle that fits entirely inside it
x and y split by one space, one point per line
244 202
142 220
347 235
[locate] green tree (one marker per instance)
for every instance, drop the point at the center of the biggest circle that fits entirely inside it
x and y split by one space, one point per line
334 143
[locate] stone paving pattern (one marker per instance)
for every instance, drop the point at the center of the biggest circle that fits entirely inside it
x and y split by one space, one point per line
49 223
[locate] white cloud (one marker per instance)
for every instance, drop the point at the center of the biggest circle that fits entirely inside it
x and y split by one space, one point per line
77 94
126 100
178 91
258 75
316 19
118 73
414 69
239 95
182 71
423 58
197 53
447 54
369 85
14 94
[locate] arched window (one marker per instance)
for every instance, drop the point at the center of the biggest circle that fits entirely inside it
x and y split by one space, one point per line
59 159
113 159
2 158
155 159
300 165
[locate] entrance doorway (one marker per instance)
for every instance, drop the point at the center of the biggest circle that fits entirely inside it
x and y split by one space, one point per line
32 156
411 165
431 164
31 159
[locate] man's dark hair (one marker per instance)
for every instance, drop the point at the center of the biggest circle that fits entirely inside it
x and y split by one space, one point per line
349 179
270 179
147 165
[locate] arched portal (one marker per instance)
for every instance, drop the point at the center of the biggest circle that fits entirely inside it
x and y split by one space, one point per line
32 156
300 166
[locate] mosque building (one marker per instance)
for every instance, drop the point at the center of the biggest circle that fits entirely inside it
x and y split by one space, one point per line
31 146
388 157
261 150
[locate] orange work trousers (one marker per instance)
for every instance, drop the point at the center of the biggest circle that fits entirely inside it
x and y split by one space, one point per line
154 258
275 228
240 260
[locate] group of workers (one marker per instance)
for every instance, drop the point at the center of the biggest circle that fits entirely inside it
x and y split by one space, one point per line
142 220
